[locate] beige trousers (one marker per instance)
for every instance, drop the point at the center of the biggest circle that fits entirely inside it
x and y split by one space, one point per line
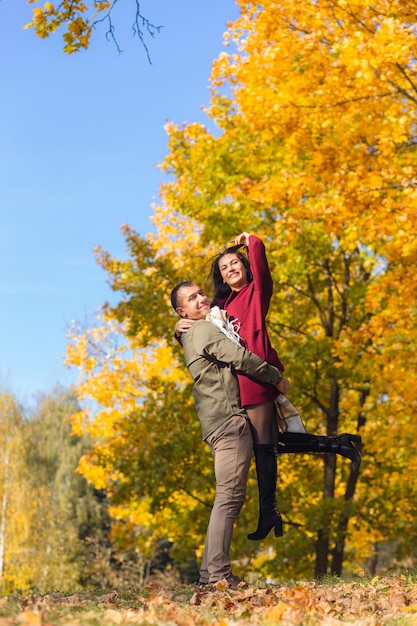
231 445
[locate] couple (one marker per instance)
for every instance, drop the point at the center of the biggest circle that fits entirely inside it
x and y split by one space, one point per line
213 355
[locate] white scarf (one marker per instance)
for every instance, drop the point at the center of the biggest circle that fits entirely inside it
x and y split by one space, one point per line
219 318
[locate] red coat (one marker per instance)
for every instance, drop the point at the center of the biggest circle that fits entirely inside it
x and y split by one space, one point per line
249 307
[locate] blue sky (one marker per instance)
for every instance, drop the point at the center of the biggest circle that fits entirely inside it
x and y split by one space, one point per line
80 137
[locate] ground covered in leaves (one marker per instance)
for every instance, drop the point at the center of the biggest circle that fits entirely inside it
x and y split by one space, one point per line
388 600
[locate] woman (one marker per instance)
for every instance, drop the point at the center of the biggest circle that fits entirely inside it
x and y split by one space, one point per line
244 288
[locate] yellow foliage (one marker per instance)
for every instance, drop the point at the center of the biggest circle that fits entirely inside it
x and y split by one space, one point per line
79 19
96 474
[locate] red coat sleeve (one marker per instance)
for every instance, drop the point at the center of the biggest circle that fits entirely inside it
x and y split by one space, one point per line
262 278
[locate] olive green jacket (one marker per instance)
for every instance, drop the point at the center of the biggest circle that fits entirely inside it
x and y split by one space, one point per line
212 360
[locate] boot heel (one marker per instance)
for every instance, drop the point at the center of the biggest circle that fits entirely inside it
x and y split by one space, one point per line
278 529
265 525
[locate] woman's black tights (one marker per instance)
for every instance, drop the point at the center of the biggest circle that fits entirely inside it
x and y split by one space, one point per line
264 423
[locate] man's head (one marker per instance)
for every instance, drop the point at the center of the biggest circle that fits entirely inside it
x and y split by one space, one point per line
190 301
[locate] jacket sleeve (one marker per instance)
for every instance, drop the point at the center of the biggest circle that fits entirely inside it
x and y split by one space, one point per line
260 270
212 344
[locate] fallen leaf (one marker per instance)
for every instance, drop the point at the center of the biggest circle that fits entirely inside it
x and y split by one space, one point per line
275 613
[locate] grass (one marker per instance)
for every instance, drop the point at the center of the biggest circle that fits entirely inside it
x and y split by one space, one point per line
389 600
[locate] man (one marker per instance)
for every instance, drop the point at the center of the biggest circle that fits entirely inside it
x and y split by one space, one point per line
212 359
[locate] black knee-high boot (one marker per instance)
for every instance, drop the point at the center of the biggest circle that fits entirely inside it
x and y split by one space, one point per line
339 444
266 469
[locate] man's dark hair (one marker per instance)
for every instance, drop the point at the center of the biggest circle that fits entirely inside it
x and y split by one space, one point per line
174 292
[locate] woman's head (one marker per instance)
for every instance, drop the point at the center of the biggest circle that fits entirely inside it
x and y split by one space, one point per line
230 271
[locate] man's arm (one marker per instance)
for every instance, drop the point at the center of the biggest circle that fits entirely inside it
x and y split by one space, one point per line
212 344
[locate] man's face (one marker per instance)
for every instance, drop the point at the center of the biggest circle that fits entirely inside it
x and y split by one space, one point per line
192 302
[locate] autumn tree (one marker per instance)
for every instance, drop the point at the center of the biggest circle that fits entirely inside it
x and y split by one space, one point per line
79 19
314 151
54 526
16 502
70 517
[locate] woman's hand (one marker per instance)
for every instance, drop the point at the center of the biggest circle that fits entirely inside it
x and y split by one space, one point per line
183 325
243 238
284 385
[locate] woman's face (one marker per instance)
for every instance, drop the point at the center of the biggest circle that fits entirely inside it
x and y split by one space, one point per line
233 271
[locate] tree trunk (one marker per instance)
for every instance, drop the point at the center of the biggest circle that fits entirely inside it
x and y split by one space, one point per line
338 552
322 543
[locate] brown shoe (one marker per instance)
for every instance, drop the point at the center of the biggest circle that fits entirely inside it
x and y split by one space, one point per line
201 584
233 582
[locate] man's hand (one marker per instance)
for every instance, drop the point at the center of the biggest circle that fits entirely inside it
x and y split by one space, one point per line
284 385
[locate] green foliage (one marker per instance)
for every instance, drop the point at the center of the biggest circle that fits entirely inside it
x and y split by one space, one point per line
54 527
